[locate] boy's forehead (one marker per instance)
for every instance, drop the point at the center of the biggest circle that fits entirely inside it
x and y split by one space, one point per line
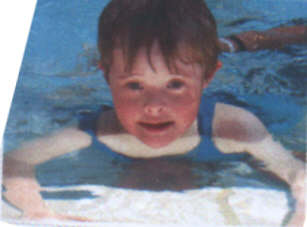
155 60
120 52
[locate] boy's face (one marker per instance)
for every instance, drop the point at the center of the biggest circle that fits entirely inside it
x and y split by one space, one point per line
155 105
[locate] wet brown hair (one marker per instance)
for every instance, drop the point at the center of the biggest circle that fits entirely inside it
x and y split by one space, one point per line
133 24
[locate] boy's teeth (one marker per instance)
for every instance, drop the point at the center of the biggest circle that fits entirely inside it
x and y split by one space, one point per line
156 125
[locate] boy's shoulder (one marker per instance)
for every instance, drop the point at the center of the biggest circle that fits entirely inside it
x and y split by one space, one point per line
237 124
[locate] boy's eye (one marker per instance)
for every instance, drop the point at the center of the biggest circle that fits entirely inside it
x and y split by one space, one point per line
134 86
175 84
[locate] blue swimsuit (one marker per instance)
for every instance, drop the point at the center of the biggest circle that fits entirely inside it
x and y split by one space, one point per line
204 152
97 164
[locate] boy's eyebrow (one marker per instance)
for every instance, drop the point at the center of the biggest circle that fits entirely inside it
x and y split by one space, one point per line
125 76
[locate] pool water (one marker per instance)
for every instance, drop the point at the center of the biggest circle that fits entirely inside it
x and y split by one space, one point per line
59 79
59 76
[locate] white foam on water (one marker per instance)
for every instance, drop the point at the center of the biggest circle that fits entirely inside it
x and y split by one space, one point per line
219 206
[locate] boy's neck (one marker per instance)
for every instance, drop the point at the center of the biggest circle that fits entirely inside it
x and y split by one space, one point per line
111 133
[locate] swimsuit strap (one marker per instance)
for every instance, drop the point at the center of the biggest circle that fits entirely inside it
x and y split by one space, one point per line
88 123
205 116
206 150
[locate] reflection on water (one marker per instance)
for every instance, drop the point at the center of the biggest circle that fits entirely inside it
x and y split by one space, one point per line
93 167
165 174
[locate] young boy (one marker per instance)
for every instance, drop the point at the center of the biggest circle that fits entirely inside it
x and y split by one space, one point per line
157 57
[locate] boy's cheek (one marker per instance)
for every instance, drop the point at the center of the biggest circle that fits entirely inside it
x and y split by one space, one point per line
126 102
127 109
187 98
187 102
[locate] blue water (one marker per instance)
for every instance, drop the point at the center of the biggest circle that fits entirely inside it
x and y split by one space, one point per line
59 77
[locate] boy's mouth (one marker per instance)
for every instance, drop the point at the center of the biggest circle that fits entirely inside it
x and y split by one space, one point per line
156 127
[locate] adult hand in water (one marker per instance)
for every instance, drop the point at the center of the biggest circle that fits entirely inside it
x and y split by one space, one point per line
274 38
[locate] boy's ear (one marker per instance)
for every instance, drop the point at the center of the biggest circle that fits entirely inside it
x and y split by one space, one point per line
102 69
100 66
209 77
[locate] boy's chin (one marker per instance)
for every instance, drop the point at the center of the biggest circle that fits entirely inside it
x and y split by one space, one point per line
156 144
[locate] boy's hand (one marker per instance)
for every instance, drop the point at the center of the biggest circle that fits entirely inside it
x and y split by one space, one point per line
19 179
298 192
49 214
23 191
241 131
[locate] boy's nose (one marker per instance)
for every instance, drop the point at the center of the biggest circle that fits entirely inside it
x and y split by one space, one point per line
153 110
154 105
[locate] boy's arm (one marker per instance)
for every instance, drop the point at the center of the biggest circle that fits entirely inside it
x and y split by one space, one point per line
21 187
237 130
